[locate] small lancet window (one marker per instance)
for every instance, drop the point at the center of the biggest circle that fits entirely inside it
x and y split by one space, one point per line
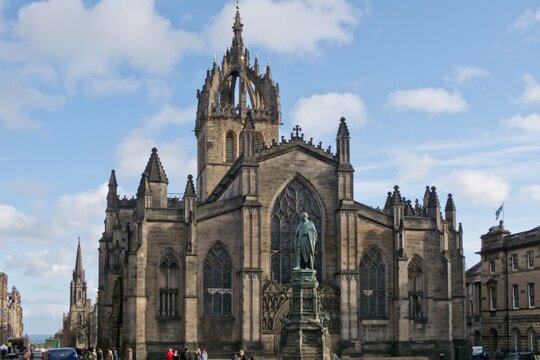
229 147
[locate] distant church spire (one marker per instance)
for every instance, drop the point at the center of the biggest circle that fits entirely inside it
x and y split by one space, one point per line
79 271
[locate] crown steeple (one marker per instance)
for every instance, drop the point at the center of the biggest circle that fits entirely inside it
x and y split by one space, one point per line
233 89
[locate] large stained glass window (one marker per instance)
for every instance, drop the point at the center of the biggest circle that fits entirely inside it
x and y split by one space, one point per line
217 282
294 200
372 284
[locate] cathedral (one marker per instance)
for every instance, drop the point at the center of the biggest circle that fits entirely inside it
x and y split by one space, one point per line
212 269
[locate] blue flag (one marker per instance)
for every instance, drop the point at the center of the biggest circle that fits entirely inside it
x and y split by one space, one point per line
498 212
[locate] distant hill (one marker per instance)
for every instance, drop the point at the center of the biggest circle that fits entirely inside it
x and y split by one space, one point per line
38 339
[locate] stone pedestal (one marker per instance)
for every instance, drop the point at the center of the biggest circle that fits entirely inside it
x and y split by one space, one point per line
304 332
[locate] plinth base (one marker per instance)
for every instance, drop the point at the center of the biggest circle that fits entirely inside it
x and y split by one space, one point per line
304 334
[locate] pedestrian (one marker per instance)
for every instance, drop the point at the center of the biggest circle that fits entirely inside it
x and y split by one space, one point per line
235 357
115 354
242 355
99 354
129 354
204 354
169 355
198 354
334 356
109 354
27 353
176 356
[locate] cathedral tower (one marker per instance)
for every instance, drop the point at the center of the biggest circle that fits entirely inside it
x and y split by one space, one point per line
78 283
229 92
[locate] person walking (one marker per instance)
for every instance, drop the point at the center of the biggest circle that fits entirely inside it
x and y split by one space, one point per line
109 354
204 354
27 353
169 355
242 355
99 354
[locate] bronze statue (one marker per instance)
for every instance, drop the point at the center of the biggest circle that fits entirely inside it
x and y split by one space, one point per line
305 240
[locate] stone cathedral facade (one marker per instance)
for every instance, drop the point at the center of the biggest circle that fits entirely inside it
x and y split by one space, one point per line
213 268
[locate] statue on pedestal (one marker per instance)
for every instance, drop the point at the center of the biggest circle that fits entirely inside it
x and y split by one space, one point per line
305 240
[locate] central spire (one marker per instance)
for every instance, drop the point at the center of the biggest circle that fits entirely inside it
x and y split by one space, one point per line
238 42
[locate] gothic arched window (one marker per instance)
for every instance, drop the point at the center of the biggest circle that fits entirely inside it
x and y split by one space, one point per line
168 265
294 200
372 284
417 292
217 282
229 147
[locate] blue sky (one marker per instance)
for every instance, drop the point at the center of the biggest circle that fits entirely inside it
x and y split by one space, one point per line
435 93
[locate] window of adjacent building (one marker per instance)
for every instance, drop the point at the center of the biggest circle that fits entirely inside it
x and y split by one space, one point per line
515 296
516 337
530 259
493 298
295 199
417 306
533 342
372 284
168 283
217 282
530 293
491 266
514 261
493 336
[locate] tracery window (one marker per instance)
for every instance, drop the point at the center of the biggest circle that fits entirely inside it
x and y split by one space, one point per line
168 264
372 284
294 200
417 305
229 147
217 282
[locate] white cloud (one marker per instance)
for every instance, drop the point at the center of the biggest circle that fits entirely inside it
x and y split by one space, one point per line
527 20
170 115
414 167
134 150
79 210
480 187
17 100
431 100
531 94
529 123
461 73
295 27
90 41
41 264
12 221
532 191
319 114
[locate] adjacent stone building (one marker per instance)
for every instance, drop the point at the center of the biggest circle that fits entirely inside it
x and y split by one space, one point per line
473 283
11 312
510 270
213 268
77 330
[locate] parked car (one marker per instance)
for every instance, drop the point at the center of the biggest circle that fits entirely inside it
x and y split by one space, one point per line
62 354
478 353
37 353
520 356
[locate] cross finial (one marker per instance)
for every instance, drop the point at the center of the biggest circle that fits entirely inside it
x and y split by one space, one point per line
297 130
